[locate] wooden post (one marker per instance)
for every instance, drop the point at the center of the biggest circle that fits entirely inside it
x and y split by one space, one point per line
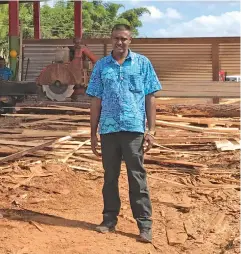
78 19
105 49
13 11
215 66
36 19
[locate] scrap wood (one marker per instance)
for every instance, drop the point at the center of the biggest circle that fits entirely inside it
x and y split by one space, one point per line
80 158
64 146
35 122
227 145
168 181
189 186
8 150
175 152
18 143
219 186
57 107
208 121
39 147
196 129
46 134
70 123
11 131
43 133
81 168
37 226
38 116
20 154
167 148
86 110
180 206
154 160
167 140
27 176
74 150
52 107
189 229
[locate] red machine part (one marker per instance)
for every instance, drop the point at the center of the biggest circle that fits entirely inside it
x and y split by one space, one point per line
61 80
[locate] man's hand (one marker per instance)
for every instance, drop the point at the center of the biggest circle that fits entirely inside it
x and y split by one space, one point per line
94 145
148 142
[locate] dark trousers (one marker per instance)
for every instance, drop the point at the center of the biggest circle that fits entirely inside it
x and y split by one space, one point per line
126 145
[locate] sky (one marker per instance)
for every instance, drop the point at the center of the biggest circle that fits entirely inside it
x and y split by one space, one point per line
187 18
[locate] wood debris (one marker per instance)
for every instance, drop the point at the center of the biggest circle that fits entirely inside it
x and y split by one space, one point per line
195 159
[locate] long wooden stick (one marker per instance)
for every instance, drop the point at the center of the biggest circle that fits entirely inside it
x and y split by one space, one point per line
39 147
74 150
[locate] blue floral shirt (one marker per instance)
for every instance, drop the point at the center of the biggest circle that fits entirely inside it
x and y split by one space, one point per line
122 90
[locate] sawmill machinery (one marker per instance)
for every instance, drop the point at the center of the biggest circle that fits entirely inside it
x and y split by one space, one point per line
58 81
65 78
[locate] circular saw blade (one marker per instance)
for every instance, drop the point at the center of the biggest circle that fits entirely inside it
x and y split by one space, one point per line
58 96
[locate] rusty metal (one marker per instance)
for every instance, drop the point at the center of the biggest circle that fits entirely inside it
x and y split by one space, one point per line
67 75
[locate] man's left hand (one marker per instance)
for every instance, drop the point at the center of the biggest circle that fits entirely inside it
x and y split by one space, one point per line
148 142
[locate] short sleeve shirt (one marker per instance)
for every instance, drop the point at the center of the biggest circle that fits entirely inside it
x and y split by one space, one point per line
122 90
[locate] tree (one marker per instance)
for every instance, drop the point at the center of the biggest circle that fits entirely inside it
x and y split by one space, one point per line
3 30
58 21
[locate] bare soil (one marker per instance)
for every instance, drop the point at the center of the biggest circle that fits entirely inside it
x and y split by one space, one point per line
49 208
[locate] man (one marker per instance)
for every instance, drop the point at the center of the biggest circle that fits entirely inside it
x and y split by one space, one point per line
5 72
122 86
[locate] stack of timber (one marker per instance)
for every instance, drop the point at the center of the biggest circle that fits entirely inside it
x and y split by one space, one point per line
204 147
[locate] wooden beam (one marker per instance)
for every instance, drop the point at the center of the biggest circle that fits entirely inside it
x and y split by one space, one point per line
18 155
215 61
202 40
105 49
36 19
215 66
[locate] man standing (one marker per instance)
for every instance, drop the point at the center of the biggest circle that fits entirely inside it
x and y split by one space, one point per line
122 86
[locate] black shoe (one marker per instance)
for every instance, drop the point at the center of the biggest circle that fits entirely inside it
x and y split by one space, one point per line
106 227
145 235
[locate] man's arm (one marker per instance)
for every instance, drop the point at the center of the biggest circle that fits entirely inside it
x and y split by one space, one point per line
151 121
95 110
152 85
95 114
95 90
151 112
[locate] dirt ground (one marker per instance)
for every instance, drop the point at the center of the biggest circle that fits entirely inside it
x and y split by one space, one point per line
49 208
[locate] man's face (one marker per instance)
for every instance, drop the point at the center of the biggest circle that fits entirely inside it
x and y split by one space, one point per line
120 41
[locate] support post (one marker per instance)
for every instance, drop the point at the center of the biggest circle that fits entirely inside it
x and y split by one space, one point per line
36 19
215 66
105 49
78 19
13 12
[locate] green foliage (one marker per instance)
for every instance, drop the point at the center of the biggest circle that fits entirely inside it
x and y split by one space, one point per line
3 30
58 21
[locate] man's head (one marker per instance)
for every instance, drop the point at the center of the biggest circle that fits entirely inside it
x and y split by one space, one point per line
2 62
121 38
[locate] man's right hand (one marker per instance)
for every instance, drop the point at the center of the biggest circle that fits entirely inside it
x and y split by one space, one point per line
94 145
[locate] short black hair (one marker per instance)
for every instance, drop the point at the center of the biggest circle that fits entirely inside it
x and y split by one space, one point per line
121 27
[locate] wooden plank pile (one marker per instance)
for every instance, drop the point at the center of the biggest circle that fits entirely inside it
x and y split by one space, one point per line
192 168
183 145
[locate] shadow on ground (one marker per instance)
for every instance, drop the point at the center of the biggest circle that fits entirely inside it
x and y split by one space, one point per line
47 219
